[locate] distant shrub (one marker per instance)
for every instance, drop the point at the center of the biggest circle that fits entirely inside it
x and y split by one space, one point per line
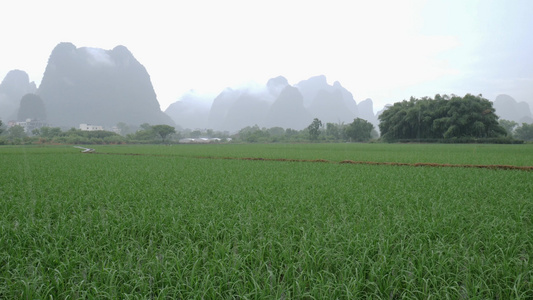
465 140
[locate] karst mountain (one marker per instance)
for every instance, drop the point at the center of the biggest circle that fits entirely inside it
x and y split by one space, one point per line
107 87
277 104
97 86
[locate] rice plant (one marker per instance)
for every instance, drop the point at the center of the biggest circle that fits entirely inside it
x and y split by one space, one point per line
171 225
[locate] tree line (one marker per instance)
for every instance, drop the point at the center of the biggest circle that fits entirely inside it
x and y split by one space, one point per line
55 135
441 119
358 131
522 131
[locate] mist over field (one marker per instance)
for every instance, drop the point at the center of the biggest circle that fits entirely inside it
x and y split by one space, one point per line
384 51
107 87
261 149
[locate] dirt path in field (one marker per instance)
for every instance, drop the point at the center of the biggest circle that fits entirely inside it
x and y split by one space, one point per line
501 167
435 165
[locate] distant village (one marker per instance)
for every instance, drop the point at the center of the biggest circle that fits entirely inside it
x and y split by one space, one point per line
275 111
29 125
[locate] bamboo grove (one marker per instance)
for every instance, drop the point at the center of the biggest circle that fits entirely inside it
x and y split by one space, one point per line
445 117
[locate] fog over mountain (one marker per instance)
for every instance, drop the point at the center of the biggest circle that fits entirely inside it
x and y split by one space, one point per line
96 86
384 50
14 86
191 110
329 107
366 111
288 111
105 87
509 109
329 103
279 104
276 85
234 109
31 107
276 104
220 107
247 110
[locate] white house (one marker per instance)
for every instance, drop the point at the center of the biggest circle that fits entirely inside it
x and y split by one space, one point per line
89 127
199 140
29 125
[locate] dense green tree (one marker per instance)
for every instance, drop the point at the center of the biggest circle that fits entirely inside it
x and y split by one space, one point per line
50 132
163 131
524 132
359 130
289 132
314 129
276 131
195 134
16 132
114 139
145 133
277 134
123 128
254 134
442 117
334 131
509 126
471 116
146 126
1 129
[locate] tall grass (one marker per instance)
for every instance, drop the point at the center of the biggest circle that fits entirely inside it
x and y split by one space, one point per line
173 226
519 155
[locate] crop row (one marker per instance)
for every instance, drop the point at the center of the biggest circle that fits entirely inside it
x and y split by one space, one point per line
116 226
517 155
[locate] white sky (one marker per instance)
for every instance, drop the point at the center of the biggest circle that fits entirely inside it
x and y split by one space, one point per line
384 50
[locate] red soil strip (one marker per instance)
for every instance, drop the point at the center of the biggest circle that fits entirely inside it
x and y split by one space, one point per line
435 165
500 167
271 159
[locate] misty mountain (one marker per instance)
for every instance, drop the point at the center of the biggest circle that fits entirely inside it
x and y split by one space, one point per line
274 104
366 111
234 109
509 109
14 86
347 97
100 87
329 107
191 110
249 109
31 107
220 107
329 103
276 85
288 111
310 88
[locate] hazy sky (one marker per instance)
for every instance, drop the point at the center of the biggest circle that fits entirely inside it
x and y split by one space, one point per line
384 50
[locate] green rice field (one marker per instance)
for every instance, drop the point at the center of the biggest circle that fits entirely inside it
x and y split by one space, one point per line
266 221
